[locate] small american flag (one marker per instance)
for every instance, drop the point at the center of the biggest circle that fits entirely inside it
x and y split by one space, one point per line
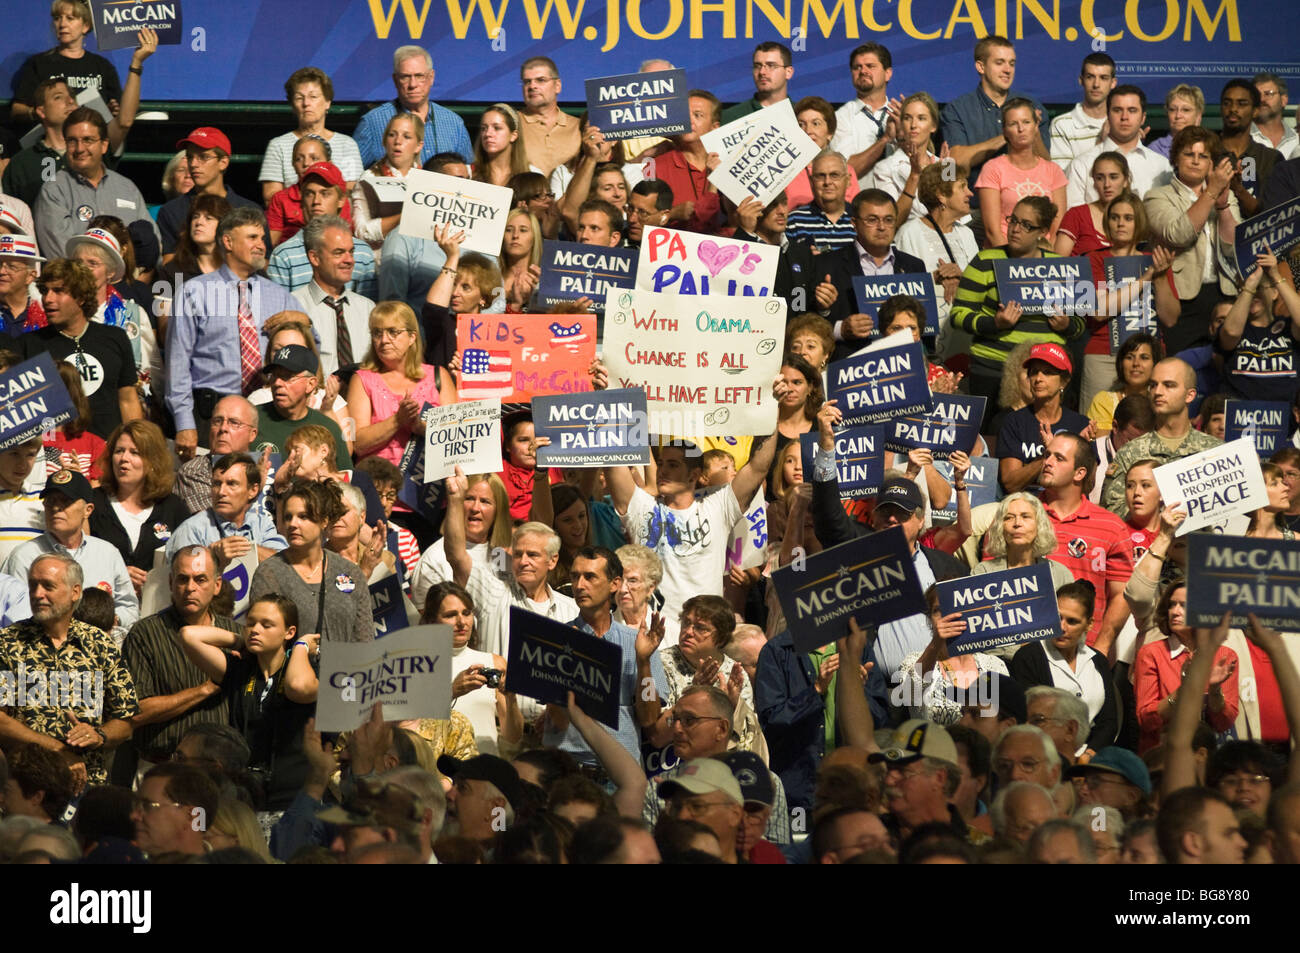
569 337
485 374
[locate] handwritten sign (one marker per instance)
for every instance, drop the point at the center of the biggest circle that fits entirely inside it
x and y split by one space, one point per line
1277 229
434 199
953 425
514 357
32 400
1245 575
747 545
1001 608
466 435
1213 484
881 381
870 579
982 486
1265 423
872 291
409 671
117 22
548 659
1140 315
689 264
571 271
1041 285
600 429
761 153
388 605
859 459
706 364
639 104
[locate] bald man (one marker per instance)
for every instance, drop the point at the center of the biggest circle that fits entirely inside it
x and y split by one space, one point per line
1172 389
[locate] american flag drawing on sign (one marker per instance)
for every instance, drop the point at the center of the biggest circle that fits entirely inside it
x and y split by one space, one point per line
485 374
569 337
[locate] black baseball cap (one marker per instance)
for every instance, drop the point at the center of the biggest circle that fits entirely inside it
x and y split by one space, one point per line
294 357
485 767
752 775
71 484
901 493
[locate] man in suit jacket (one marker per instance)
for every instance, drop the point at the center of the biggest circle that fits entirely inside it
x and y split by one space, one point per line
875 219
797 277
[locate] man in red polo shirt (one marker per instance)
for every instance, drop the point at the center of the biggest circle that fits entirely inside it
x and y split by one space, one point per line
1091 542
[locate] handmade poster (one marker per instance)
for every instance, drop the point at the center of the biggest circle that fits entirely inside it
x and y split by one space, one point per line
747 545
1276 229
871 291
116 22
690 264
465 435
859 459
1265 423
477 208
953 425
547 660
1214 484
706 364
515 357
32 400
408 670
598 429
761 153
882 381
1001 609
571 271
1140 315
639 104
1243 574
1042 285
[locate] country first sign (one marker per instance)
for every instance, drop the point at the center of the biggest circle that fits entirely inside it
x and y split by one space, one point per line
478 208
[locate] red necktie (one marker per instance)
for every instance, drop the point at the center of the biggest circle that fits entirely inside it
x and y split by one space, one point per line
250 356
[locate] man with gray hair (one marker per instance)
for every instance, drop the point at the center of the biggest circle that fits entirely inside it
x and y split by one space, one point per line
428 792
1062 842
215 343
413 76
1064 717
341 317
89 695
1020 809
233 430
825 223
323 193
1026 753
922 773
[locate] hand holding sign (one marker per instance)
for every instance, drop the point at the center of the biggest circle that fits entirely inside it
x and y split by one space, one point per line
449 243
1008 315
950 626
859 325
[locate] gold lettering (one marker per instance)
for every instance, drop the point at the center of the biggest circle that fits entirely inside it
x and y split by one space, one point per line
1049 22
1208 26
384 23
972 16
1134 27
826 22
1090 23
726 7
492 19
568 19
869 18
779 21
909 25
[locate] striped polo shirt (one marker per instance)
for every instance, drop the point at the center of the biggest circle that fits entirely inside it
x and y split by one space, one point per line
809 223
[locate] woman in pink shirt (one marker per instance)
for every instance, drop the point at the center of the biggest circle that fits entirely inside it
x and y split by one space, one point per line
1020 173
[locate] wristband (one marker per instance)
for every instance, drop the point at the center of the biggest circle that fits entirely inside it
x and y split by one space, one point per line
1155 555
300 642
450 271
103 738
959 487
910 195
136 70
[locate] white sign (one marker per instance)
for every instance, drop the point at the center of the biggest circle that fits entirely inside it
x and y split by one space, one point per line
467 435
408 670
706 363
434 199
1214 485
761 153
689 264
386 193
747 545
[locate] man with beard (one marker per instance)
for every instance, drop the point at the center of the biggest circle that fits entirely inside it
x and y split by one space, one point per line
865 126
1238 103
1269 129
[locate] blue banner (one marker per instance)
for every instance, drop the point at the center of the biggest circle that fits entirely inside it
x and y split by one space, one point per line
1266 422
548 659
639 104
599 429
388 606
881 382
1043 284
872 291
1001 608
32 401
118 21
871 579
423 498
571 271
1140 315
953 425
859 459
982 486
1245 575
1277 229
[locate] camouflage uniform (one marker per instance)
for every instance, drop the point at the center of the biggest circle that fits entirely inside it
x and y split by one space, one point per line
1147 447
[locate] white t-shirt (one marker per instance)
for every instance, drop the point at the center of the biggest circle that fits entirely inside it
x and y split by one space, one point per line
433 567
480 705
277 162
131 522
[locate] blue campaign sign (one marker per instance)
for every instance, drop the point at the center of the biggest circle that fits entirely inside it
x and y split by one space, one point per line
548 659
871 579
118 21
639 104
1001 608
423 498
596 429
881 381
953 425
1266 422
1277 230
571 271
32 400
1042 284
872 291
1140 315
859 459
982 486
388 606
1243 574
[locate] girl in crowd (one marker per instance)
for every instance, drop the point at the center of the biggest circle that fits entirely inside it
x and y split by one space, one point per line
236 825
569 515
284 217
310 93
492 711
1066 662
797 411
521 258
789 522
1083 228
1269 522
499 152
816 118
1008 179
196 249
532 191
519 470
135 508
1143 499
487 527
77 448
899 173
575 181
268 677
1134 361
330 592
403 142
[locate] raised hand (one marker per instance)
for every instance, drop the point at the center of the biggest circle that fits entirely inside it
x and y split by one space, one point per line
826 293
1008 315
448 240
828 418
648 637
457 484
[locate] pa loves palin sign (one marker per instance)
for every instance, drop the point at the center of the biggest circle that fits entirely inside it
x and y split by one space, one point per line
684 263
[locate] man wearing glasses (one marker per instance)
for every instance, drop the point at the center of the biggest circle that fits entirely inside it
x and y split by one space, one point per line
1116 778
413 76
551 136
705 791
176 805
825 222
773 70
292 374
234 428
207 156
921 774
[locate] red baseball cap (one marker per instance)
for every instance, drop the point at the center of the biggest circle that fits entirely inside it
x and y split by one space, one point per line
327 172
206 137
1052 354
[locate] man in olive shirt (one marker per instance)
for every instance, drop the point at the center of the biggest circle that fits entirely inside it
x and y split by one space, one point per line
292 374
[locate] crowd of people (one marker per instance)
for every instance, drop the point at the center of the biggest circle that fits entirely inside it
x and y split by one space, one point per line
231 483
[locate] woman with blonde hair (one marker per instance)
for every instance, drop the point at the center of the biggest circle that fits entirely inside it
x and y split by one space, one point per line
1269 521
403 142
488 528
236 825
1022 536
499 151
899 173
521 257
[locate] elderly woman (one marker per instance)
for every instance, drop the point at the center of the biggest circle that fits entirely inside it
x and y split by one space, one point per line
135 508
499 152
816 118
310 93
351 538
331 593
403 142
467 284
1022 536
811 337
637 602
1184 106
1008 179
1066 662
